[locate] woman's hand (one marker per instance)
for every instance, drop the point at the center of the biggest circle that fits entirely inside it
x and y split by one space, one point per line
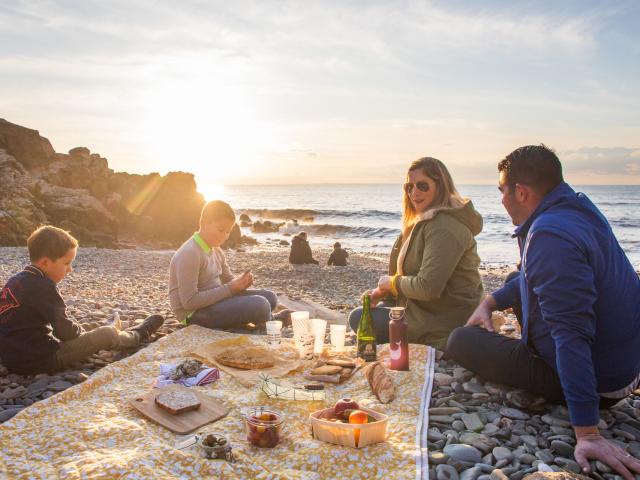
481 316
593 446
384 284
241 283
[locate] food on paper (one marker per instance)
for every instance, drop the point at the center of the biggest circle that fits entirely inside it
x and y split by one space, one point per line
326 370
177 401
381 382
323 378
264 427
246 358
330 369
188 368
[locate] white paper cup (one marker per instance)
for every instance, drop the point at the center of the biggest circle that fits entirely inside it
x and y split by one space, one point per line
300 323
338 333
274 332
319 328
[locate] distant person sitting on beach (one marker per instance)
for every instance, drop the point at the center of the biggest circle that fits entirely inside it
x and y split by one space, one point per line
300 253
433 268
36 335
339 256
202 289
577 298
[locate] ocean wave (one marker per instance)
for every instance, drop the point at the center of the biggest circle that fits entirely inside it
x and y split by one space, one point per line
307 213
328 230
279 213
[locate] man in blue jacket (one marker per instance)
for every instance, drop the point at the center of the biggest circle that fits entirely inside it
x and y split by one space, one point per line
579 299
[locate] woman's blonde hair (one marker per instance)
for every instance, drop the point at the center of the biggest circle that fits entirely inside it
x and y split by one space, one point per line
446 194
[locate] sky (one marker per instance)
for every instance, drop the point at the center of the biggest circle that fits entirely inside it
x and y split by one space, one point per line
262 92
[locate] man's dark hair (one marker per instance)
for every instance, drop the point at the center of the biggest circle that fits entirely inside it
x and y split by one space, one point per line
337 245
534 165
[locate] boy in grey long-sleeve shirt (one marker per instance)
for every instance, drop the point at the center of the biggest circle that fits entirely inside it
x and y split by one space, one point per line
202 289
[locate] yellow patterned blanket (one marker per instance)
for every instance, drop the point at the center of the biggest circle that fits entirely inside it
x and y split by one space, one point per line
90 432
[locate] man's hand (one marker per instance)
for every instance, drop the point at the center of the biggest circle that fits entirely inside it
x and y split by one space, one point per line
481 316
241 283
595 447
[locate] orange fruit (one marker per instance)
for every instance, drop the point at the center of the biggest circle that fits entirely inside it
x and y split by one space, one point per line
358 416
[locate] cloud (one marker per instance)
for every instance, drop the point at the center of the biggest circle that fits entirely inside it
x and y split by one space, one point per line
602 161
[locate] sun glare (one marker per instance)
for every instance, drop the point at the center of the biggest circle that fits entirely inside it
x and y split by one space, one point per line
211 191
211 130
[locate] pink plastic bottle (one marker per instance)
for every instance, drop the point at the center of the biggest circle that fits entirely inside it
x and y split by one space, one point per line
398 339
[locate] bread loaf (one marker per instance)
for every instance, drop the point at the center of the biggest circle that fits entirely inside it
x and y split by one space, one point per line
177 401
381 382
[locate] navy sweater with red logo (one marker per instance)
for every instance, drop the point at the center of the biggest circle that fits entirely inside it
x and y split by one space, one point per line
33 321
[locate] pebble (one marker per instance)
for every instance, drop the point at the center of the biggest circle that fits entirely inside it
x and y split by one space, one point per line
442 379
446 472
472 421
514 413
59 385
563 449
497 474
471 473
557 422
502 453
463 453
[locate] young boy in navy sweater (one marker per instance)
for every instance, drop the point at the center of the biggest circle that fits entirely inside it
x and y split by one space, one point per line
35 333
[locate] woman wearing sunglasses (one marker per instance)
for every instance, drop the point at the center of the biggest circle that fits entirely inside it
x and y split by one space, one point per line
433 269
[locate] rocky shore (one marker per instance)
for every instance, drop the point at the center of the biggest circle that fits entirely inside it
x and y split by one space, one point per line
478 430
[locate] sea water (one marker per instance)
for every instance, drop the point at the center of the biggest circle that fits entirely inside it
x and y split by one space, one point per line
366 218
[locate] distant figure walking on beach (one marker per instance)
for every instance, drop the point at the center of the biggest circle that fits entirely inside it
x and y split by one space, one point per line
433 268
36 335
577 298
202 289
300 253
339 256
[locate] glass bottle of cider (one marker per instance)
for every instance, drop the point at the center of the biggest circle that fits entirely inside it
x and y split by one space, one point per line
398 339
366 334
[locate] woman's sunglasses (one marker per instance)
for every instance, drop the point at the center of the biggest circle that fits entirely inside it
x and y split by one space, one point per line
422 186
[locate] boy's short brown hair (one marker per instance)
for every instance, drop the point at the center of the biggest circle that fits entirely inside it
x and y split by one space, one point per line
51 242
215 210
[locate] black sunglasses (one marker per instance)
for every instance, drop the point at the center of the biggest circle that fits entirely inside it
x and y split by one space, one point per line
422 186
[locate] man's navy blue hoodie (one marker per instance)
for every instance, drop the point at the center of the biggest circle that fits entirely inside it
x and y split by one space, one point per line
580 300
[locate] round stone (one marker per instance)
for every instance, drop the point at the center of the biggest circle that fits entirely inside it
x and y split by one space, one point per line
502 453
463 453
446 472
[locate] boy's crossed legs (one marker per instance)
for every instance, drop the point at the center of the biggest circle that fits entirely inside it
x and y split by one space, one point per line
251 306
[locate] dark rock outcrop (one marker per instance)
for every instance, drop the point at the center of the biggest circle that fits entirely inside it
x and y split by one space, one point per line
79 192
265 227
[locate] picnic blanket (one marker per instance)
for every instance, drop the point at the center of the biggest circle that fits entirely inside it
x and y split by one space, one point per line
90 431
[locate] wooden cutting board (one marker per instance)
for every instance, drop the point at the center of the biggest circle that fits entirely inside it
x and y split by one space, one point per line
210 410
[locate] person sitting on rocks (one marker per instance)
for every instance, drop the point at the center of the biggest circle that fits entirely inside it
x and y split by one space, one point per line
202 288
36 335
339 256
578 298
300 253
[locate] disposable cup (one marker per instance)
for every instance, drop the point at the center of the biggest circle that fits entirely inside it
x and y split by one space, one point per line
319 328
300 323
338 333
274 332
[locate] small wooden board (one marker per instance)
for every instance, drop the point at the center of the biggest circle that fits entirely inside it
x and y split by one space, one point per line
210 410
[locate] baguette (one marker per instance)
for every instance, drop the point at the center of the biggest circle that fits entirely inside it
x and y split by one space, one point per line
381 382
